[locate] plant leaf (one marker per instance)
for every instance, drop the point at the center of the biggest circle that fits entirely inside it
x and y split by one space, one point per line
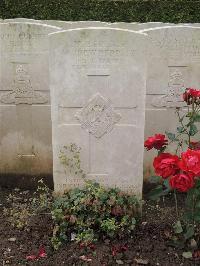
154 179
180 129
193 130
170 135
187 255
190 232
155 193
196 117
178 227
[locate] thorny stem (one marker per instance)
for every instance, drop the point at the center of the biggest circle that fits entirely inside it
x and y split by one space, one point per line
185 129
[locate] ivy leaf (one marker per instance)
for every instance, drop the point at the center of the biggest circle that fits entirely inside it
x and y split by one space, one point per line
178 227
187 255
193 130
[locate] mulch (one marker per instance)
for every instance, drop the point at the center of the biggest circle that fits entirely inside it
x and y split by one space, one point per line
147 246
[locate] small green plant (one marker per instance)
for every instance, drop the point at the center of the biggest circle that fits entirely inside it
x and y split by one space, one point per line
93 212
42 199
22 205
18 212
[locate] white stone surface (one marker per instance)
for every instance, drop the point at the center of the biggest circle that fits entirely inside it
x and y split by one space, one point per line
98 100
173 64
25 121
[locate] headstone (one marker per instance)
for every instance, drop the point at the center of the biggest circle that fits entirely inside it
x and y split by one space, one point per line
98 98
75 24
173 65
25 124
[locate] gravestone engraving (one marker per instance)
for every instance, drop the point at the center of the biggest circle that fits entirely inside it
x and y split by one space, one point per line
25 147
173 65
98 98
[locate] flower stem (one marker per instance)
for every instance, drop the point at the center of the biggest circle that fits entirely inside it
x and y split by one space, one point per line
176 204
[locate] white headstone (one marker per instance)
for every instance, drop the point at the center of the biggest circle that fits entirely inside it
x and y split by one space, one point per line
98 98
75 24
25 121
173 65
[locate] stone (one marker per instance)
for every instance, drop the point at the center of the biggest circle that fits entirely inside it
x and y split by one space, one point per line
25 120
175 53
98 100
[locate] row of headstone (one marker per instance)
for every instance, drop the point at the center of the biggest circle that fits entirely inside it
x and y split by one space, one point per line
98 83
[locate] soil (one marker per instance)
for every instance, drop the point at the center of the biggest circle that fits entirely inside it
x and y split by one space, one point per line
147 246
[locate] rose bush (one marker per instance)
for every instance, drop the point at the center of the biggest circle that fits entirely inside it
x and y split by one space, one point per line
180 172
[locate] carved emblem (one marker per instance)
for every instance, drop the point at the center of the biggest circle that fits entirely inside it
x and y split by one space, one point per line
98 116
23 91
176 87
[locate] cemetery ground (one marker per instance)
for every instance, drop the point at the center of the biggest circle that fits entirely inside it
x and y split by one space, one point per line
30 243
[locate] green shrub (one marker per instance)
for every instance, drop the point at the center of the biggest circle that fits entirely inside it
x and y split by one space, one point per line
128 10
92 213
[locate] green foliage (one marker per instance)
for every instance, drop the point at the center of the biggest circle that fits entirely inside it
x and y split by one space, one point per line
70 159
89 213
159 191
125 10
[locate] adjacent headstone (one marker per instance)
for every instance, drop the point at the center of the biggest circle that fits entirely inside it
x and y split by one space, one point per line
98 98
30 20
25 121
173 65
138 26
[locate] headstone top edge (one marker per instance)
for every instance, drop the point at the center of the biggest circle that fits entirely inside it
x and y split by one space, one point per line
169 27
31 23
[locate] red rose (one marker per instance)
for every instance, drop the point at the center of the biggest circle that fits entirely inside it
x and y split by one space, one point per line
182 182
166 165
158 141
190 162
191 95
